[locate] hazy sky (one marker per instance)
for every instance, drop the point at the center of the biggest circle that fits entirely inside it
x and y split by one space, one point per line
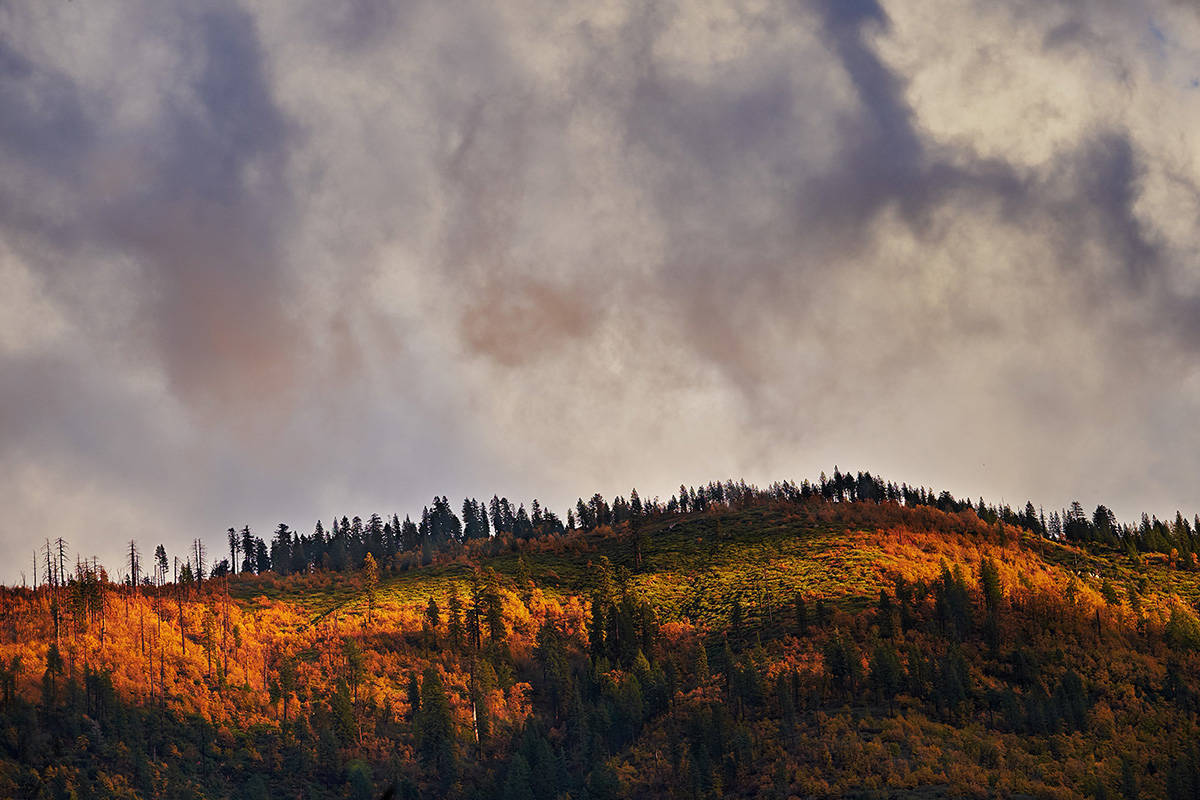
273 261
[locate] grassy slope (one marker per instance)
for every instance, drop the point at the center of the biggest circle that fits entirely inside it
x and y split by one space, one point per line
694 567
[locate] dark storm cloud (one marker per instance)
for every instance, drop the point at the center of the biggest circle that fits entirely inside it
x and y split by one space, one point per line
45 123
735 269
323 255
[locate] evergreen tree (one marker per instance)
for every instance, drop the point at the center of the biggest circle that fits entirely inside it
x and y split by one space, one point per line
414 697
702 673
886 674
493 606
989 578
235 547
161 565
371 583
433 618
516 782
262 557
885 615
455 621
435 726
358 782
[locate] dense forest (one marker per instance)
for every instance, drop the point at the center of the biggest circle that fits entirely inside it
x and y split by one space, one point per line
843 637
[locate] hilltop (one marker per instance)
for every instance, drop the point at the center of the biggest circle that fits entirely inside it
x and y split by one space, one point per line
794 642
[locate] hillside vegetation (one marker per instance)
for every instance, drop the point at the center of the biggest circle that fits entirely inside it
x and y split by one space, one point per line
793 642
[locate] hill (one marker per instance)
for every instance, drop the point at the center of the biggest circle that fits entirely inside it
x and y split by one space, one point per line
773 644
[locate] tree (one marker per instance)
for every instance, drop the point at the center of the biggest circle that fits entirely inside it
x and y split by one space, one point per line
493 604
842 663
701 665
371 583
455 621
435 725
993 593
433 618
516 783
638 536
584 515
54 668
262 557
1130 789
60 546
249 553
235 547
604 784
358 780
208 640
161 565
989 578
9 670
1104 522
551 655
281 549
885 615
886 675
953 686
952 603
135 564
414 697
299 564
355 666
198 554
1183 629
284 683
597 628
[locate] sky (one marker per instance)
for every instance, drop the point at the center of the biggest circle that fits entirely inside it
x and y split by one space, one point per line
274 261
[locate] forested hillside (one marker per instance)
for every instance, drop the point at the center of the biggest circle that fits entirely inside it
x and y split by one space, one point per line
848 637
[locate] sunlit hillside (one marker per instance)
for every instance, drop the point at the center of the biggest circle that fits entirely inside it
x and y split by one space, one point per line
778 645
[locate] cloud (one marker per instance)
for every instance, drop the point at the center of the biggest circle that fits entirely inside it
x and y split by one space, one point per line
193 194
289 259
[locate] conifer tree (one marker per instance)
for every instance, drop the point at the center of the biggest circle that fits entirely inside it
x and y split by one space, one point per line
371 584
455 621
435 725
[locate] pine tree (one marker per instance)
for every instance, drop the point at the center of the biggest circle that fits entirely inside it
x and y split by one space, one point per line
249 563
885 615
516 782
235 547
358 780
989 578
886 674
54 668
414 697
435 726
597 628
455 622
701 664
494 608
433 618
